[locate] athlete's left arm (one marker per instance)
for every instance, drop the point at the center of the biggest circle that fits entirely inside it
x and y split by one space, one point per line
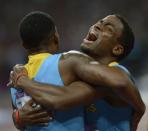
59 98
53 97
110 76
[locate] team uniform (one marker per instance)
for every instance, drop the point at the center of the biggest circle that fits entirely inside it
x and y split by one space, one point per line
101 116
44 68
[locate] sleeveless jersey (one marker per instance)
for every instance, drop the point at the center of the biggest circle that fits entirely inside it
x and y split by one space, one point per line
101 116
69 120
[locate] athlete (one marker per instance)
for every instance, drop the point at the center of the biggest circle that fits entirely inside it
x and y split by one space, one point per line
109 40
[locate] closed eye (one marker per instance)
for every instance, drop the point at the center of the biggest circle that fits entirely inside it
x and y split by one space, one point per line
97 27
109 27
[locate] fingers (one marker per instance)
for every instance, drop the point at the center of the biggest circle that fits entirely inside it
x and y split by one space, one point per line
42 124
19 65
10 84
18 71
39 124
37 112
30 102
36 109
42 114
33 109
42 120
18 68
11 81
12 77
34 105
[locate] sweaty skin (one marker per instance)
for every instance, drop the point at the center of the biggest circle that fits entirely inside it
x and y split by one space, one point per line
77 93
111 78
77 66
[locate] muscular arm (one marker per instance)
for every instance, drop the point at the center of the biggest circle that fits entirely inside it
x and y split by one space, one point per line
109 77
96 74
113 78
56 97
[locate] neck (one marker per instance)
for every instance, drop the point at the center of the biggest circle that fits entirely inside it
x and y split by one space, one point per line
32 52
105 60
43 48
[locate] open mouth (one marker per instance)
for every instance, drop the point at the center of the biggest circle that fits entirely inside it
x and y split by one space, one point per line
91 37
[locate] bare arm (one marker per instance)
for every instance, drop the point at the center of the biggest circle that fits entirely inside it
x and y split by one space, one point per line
113 78
56 97
98 74
109 77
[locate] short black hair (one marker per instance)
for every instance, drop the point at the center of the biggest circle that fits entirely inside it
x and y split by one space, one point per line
127 38
35 28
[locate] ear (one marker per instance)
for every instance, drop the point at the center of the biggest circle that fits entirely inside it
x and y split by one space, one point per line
118 50
56 37
55 42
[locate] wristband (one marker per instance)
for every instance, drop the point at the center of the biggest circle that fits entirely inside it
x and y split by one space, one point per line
17 119
18 122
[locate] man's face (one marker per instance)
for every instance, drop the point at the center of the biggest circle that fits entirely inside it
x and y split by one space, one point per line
102 37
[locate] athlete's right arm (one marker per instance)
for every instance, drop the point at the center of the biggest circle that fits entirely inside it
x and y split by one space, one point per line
110 77
53 97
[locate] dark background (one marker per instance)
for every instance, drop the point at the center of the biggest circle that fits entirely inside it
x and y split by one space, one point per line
73 19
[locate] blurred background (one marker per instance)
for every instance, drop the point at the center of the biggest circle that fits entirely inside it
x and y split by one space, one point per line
73 19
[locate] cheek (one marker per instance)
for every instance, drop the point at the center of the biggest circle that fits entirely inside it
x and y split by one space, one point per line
106 34
109 40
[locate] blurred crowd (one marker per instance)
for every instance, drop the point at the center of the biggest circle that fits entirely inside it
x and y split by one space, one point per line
73 19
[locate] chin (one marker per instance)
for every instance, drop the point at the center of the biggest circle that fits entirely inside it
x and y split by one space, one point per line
85 49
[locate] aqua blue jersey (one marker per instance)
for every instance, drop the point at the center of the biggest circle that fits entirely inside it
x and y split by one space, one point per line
69 120
105 118
101 116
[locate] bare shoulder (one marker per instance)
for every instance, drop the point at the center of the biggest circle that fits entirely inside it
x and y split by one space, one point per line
123 70
70 61
76 55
